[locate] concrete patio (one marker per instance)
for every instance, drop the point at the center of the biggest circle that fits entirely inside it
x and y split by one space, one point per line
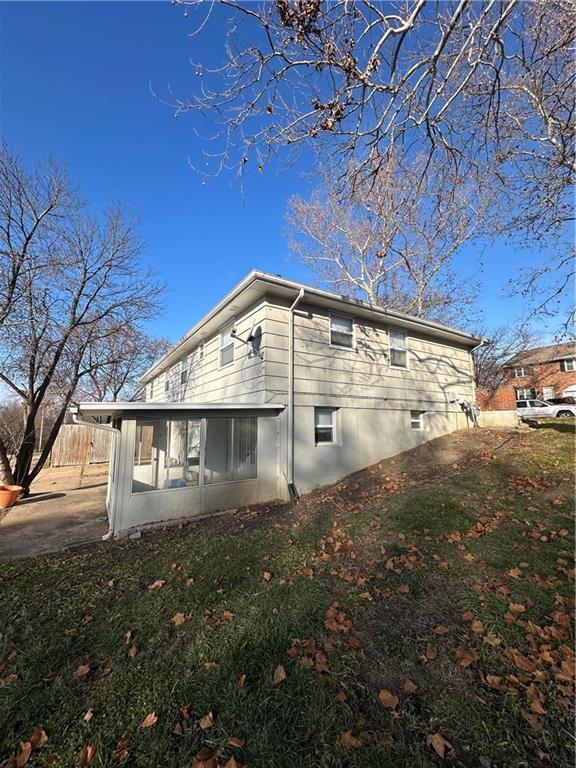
65 509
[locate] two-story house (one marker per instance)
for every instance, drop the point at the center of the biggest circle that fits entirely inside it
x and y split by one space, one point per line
544 372
280 388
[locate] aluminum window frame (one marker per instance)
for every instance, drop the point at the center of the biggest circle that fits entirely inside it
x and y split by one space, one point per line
332 426
417 420
404 349
232 345
352 333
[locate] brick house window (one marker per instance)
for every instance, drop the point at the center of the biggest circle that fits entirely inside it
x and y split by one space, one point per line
522 370
568 365
528 393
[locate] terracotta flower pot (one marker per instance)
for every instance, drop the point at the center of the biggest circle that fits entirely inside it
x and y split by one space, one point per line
9 495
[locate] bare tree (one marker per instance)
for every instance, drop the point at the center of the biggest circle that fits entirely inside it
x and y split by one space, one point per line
84 282
393 241
486 87
31 207
115 367
504 341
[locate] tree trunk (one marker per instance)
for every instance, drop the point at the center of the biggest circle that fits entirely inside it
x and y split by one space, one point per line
6 474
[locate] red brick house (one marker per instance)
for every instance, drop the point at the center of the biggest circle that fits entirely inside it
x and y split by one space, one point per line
543 373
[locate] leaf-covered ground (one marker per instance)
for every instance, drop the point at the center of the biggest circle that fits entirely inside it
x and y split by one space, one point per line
387 621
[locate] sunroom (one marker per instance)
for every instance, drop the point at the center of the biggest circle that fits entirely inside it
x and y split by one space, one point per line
171 461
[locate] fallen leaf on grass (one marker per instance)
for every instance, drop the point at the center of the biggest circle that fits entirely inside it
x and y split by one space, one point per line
24 755
232 763
206 758
466 656
189 582
279 675
430 654
477 627
149 720
127 637
349 741
207 721
438 743
517 607
492 639
227 615
240 683
388 699
341 697
410 687
514 573
88 715
133 651
81 672
86 757
156 584
355 642
467 616
404 589
121 751
235 741
37 739
178 619
266 575
440 629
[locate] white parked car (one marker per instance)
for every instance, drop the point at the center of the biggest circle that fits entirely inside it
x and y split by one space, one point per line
538 409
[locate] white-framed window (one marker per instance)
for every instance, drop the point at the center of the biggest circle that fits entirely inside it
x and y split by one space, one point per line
324 429
568 365
226 345
184 370
522 370
548 393
525 393
199 353
398 343
416 419
341 331
167 381
151 390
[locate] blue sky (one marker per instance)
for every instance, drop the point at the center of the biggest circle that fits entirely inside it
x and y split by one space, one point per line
75 83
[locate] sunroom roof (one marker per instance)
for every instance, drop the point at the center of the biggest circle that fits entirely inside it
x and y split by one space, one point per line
117 408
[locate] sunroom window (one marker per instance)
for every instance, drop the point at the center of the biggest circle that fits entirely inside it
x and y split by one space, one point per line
231 449
398 349
166 454
341 331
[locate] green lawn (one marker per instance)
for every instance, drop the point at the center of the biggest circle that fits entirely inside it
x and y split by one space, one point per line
461 585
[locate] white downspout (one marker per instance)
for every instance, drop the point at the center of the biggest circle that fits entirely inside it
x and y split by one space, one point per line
113 454
290 447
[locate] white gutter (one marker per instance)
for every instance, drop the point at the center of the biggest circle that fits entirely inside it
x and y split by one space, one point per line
290 447
113 453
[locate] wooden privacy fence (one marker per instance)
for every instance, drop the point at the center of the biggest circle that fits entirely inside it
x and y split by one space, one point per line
77 444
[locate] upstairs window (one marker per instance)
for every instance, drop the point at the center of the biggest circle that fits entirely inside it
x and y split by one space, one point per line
324 426
522 370
226 345
151 390
166 382
568 365
184 370
398 349
341 331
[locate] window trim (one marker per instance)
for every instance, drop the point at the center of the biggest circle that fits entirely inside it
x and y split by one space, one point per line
564 365
332 425
202 454
353 334
184 365
417 417
524 389
230 325
406 350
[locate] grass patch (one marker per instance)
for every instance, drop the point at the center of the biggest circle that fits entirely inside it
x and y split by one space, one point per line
248 592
